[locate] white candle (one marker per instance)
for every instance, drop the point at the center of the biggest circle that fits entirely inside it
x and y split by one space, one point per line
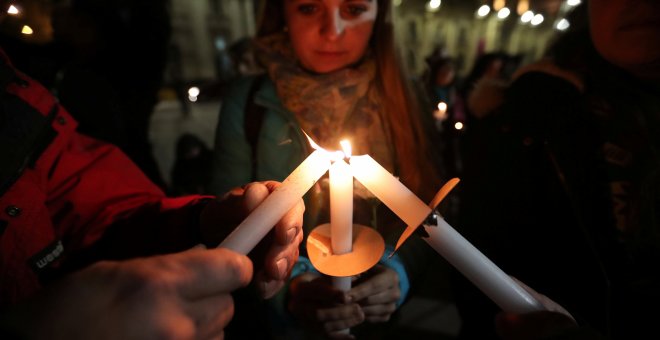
389 190
480 270
467 259
262 219
341 215
341 208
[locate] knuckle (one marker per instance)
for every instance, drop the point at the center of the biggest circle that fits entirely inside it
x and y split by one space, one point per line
184 329
143 281
236 267
390 308
228 307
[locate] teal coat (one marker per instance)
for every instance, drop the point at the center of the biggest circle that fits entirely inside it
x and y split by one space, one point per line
281 145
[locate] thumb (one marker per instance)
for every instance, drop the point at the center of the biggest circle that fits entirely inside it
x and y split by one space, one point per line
213 271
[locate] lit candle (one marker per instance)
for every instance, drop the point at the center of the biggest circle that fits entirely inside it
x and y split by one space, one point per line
341 212
467 259
262 219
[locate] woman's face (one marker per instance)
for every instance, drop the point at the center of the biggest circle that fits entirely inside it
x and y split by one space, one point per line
328 35
627 34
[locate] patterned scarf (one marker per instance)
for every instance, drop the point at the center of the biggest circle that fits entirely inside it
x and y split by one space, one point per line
333 106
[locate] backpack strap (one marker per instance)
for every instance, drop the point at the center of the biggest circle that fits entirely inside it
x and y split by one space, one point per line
254 117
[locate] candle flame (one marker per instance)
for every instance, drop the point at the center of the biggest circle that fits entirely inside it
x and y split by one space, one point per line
334 155
312 143
346 146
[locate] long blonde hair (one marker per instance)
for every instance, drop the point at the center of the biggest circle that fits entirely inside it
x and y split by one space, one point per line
414 160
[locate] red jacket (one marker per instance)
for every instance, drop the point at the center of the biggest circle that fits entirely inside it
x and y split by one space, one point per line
67 200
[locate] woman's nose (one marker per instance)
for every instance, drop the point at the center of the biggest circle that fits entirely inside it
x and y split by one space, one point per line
333 25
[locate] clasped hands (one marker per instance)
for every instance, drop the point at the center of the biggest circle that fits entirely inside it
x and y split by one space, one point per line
325 310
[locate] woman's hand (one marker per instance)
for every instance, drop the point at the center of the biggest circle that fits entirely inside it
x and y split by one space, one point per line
321 307
377 292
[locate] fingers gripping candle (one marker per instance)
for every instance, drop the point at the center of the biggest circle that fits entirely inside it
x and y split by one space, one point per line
260 221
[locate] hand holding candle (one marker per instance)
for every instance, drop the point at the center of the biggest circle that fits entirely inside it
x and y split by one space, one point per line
480 270
248 234
345 257
277 256
489 278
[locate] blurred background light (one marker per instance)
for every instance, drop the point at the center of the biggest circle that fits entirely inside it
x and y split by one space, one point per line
483 11
527 16
562 24
537 20
503 13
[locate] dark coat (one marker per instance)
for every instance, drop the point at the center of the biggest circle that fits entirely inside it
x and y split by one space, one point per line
562 190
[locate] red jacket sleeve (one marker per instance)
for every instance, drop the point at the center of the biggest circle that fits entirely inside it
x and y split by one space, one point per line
97 196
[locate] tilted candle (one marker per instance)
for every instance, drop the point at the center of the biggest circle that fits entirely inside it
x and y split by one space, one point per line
260 221
480 270
467 259
389 190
